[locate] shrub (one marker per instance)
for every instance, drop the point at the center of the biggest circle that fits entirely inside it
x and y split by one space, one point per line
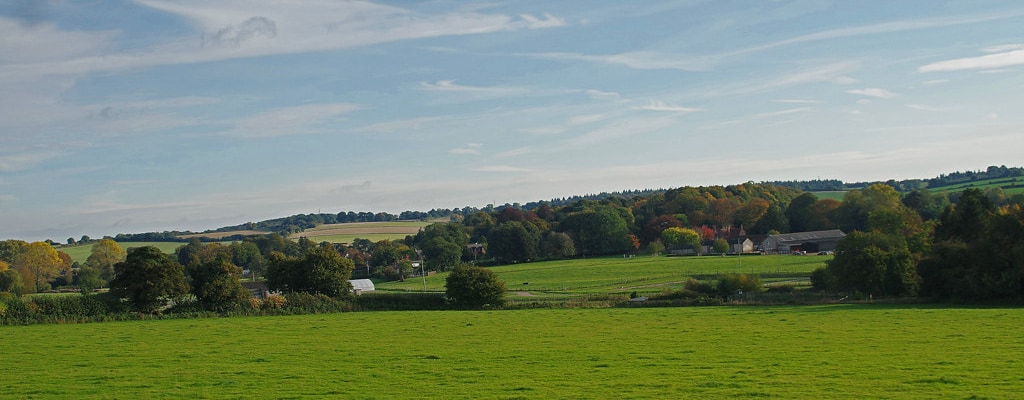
273 302
732 283
470 286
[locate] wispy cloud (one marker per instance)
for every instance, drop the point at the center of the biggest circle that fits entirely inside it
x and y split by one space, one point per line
1003 56
658 105
873 92
503 168
797 101
451 86
545 21
413 124
874 29
780 113
922 107
468 149
235 29
644 60
294 120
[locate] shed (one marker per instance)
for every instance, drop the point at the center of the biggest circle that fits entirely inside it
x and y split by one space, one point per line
360 286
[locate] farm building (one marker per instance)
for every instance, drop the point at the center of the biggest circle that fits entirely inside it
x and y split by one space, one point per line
809 242
741 245
360 286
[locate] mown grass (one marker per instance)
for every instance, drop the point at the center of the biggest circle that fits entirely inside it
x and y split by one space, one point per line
836 351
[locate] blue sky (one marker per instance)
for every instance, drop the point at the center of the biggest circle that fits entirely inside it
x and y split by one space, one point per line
152 115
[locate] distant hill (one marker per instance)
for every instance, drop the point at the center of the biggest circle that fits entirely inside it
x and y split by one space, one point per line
953 181
1010 179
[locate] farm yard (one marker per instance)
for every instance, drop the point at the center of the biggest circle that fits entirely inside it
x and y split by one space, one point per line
829 351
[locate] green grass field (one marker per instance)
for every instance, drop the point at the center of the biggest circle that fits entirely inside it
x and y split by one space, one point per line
642 274
834 195
81 253
835 351
1009 185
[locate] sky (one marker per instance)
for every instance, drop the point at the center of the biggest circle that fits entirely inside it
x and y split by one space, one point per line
152 115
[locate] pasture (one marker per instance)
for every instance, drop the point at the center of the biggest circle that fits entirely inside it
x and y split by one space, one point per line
618 275
372 231
831 351
81 252
1009 185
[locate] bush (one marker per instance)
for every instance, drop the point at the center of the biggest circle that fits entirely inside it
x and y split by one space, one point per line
469 286
733 283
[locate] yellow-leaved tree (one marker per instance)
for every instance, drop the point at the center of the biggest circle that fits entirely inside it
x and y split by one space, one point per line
38 263
105 253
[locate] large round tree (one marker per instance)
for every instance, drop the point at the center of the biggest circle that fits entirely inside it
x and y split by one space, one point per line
148 279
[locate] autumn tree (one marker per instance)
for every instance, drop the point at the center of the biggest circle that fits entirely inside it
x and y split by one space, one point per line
9 250
148 279
105 254
37 263
652 230
681 237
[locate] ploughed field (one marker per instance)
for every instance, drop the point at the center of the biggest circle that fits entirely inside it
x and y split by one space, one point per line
828 351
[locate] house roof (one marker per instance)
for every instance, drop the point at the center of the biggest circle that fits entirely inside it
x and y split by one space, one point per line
801 237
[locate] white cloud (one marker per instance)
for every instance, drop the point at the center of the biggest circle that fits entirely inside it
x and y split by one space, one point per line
548 21
658 105
873 92
990 61
294 120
